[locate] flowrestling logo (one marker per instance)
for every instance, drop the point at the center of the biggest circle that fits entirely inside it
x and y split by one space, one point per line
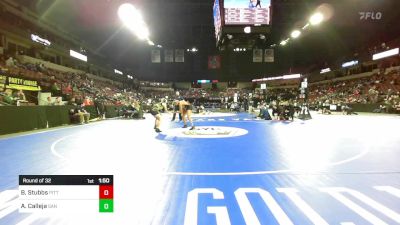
207 132
370 15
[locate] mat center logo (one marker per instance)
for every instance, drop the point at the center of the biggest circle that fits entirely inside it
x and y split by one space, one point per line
207 132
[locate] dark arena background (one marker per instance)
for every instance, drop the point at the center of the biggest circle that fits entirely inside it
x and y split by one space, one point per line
199 112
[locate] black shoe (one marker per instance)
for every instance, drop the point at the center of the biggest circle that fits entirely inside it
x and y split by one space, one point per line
192 128
158 130
185 126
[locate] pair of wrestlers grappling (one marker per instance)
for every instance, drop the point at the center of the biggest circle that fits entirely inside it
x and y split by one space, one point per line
185 110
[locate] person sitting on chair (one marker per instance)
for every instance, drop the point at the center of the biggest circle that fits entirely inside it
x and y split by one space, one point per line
80 113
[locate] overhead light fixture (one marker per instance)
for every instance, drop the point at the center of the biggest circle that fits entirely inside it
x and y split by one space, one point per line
133 20
326 70
150 43
78 55
305 26
291 76
285 77
159 46
247 30
194 49
283 43
40 40
118 72
295 34
350 63
385 54
262 36
229 36
316 18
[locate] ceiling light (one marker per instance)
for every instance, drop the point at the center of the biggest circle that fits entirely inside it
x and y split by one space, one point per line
316 18
118 72
247 30
305 26
326 70
295 34
283 43
291 76
133 20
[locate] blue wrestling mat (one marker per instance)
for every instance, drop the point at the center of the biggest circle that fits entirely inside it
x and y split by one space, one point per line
231 170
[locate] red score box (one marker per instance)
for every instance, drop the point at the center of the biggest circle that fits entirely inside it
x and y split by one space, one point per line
106 191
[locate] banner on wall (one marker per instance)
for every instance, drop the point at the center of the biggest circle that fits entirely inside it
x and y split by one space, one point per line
155 56
179 55
269 55
214 62
169 56
257 55
3 80
21 84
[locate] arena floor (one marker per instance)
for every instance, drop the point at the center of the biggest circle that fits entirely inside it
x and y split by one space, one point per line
233 169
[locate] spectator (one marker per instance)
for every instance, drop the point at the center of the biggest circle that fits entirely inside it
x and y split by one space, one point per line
58 101
10 62
49 101
20 95
8 97
81 114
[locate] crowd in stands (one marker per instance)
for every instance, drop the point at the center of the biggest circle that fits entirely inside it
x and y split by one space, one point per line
79 89
382 88
74 88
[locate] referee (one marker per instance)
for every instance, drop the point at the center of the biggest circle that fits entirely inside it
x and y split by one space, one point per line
155 111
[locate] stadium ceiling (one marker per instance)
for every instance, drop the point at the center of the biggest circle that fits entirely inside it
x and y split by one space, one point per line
189 23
